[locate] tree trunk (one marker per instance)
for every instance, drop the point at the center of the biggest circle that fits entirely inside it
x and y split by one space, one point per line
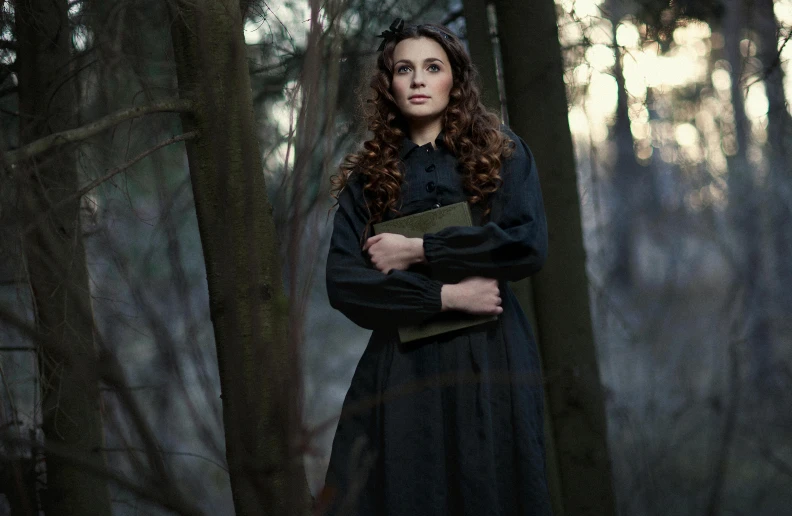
779 136
483 54
55 255
247 305
481 51
536 101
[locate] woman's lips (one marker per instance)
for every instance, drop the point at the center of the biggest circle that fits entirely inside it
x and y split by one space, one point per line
418 99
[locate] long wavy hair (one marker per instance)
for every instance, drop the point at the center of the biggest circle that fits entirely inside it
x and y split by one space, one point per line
471 132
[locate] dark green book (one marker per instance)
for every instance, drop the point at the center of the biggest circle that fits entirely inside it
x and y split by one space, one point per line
415 226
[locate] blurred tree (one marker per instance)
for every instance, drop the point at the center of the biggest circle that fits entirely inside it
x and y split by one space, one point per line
768 33
745 207
632 184
55 257
779 138
750 205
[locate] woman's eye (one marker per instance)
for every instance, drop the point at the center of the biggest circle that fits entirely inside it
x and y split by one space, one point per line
434 68
402 69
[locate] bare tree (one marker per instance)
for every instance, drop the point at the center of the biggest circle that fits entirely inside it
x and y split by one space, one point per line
55 258
259 369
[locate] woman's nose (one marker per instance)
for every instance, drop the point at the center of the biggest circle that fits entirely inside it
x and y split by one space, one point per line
418 80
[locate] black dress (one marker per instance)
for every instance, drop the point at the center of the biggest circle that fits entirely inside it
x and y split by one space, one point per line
450 425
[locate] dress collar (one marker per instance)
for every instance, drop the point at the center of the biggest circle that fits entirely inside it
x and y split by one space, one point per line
407 145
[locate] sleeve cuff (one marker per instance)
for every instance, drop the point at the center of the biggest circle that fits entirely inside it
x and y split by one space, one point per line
434 296
432 248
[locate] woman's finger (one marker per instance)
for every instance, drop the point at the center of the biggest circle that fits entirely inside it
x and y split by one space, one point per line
371 241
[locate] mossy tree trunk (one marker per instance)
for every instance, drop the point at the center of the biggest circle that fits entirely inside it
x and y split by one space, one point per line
257 366
55 256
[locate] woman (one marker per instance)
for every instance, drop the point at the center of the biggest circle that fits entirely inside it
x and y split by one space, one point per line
450 424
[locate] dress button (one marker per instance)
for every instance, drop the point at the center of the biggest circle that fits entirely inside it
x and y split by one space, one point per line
435 206
430 186
430 168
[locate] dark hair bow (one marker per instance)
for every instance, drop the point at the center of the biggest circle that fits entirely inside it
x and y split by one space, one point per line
390 34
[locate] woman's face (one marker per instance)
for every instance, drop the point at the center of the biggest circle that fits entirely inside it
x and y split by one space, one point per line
422 79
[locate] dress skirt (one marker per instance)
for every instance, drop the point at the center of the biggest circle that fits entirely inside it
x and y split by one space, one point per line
447 425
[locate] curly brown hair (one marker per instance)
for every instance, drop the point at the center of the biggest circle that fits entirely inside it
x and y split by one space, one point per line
471 132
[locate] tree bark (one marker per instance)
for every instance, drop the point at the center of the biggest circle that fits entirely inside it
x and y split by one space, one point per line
56 263
260 410
536 100
481 51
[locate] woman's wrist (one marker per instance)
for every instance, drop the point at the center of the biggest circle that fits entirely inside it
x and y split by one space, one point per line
447 297
418 252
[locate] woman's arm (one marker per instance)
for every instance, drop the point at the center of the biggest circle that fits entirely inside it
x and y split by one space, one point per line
368 297
513 244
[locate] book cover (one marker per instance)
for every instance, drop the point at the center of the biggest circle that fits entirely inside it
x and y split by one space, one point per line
415 226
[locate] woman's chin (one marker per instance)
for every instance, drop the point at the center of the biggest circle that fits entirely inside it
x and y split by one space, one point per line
421 115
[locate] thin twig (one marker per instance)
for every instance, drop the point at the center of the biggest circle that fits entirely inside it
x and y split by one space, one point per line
151 492
96 182
766 452
165 452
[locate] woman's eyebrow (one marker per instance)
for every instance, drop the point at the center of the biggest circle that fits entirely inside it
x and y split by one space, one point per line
427 60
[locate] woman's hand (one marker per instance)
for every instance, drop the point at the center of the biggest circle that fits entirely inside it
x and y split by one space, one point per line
391 251
474 295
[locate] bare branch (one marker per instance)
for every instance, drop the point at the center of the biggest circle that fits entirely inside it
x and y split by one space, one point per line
770 68
767 453
165 452
86 131
154 493
96 182
452 17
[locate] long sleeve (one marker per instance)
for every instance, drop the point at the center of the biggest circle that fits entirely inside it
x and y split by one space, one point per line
368 297
513 244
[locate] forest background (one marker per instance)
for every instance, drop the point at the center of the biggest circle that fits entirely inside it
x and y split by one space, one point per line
164 222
